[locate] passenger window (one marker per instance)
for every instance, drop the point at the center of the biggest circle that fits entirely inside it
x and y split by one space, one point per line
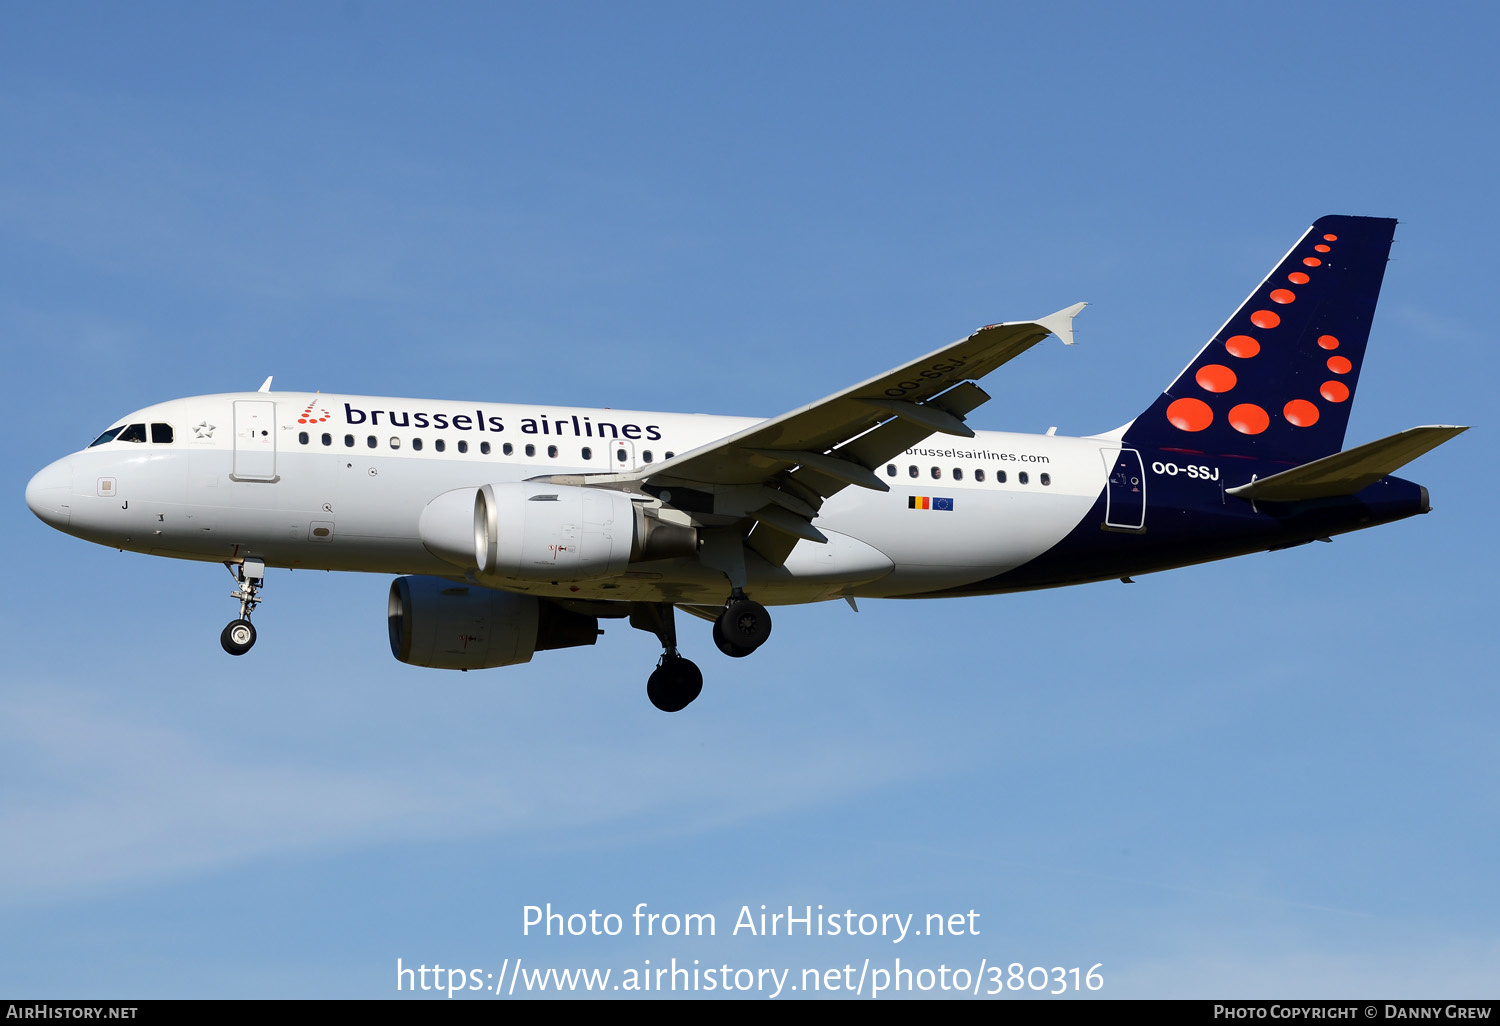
912 470
552 451
1021 477
646 456
348 441
620 455
890 470
999 477
463 446
416 444
1046 479
134 433
958 475
588 453
507 449
484 448
108 436
161 434
327 438
670 455
530 449
395 442
302 437
371 442
979 475
936 473
440 445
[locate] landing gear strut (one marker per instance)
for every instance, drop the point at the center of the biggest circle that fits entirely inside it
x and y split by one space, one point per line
676 681
743 627
239 636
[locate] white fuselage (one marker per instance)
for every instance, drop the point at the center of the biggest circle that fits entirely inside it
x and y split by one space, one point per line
340 482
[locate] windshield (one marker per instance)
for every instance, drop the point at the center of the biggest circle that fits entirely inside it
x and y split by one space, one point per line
108 436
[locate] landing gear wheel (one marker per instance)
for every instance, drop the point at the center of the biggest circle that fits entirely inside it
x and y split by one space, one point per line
674 684
728 647
238 637
744 624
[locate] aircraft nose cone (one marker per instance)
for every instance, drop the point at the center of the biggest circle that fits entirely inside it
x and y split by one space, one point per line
50 494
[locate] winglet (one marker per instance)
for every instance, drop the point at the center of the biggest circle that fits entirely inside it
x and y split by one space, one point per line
265 386
1061 323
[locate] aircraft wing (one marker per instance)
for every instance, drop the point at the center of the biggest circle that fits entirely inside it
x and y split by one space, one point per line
778 472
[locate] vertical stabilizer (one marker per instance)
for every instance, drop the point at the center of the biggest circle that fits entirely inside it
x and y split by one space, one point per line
1279 377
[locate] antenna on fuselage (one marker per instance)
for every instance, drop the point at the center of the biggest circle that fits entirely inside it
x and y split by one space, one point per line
265 386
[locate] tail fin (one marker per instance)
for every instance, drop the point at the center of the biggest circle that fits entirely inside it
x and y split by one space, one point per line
1278 379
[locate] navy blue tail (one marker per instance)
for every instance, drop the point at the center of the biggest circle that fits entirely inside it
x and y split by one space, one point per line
1278 379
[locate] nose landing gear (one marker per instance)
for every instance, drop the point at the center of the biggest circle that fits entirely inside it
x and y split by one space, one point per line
239 636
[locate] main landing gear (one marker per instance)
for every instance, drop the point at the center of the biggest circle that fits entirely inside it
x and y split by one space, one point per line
740 629
676 681
239 636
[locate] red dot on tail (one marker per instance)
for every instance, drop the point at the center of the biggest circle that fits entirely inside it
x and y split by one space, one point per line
1190 414
1298 278
1322 248
1265 319
1312 261
1328 342
1334 391
1216 377
1242 346
1249 419
1282 295
1301 412
1331 238
1339 365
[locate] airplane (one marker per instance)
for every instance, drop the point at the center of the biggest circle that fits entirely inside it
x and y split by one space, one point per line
516 528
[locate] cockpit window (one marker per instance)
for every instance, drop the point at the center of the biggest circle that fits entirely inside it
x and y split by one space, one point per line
108 436
161 433
134 433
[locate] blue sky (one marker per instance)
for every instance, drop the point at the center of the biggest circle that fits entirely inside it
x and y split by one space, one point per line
1271 777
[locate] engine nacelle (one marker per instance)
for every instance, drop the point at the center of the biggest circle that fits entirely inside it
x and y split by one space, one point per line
547 532
453 626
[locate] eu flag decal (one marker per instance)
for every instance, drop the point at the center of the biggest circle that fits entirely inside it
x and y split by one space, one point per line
928 502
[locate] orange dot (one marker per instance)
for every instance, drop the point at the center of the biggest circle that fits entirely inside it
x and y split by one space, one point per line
1301 412
1339 365
1298 278
301 420
1190 414
1282 295
1249 419
1265 319
1328 342
1322 248
1242 346
1331 238
1334 391
1311 261
1216 377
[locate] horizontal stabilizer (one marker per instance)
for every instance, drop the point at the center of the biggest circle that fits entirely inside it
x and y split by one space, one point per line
1345 473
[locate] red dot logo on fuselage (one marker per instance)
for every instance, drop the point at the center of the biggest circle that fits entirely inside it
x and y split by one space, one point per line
313 415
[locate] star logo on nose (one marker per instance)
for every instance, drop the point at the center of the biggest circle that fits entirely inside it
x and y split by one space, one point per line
203 430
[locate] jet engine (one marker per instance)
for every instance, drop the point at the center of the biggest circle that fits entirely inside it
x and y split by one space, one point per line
539 531
449 625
